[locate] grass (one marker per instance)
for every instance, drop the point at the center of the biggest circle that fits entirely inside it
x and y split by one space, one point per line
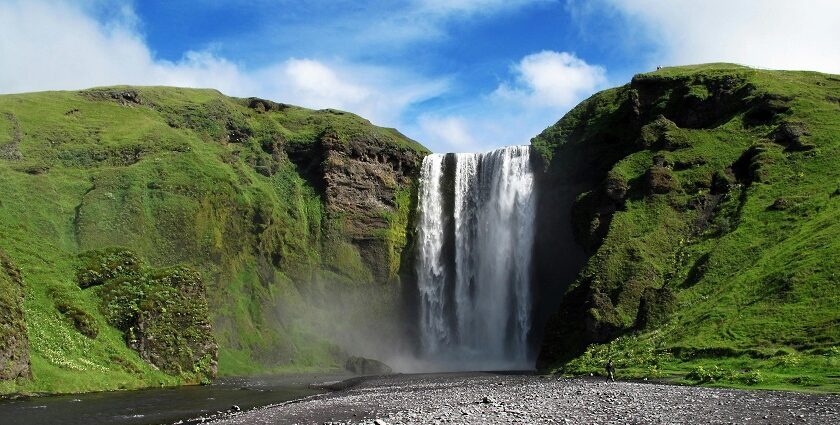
753 266
650 356
180 177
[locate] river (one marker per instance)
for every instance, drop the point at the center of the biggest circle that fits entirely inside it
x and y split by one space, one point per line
161 405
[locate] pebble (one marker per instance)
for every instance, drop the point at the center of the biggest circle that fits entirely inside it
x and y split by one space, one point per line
500 399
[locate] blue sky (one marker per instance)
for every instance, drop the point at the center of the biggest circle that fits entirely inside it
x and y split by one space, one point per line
456 75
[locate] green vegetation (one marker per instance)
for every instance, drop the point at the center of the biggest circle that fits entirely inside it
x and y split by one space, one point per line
199 190
149 233
162 313
713 223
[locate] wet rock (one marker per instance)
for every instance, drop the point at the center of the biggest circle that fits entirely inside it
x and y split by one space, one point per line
361 177
364 366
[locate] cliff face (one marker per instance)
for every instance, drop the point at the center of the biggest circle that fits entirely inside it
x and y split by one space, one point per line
371 182
265 222
703 197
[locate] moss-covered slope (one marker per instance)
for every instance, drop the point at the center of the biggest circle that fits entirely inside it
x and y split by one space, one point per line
14 341
710 211
279 210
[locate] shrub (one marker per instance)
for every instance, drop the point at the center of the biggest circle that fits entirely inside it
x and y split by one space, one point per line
750 378
704 375
101 266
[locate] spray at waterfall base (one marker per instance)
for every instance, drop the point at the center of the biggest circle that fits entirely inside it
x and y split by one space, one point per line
469 305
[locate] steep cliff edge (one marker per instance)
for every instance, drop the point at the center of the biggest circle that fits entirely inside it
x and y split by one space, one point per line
276 231
708 204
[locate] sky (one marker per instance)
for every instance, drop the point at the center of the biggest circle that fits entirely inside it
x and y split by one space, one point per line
455 75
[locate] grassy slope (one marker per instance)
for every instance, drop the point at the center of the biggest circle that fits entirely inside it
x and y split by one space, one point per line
165 176
756 285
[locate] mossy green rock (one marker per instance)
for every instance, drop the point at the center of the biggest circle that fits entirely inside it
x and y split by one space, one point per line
172 328
162 313
14 341
706 207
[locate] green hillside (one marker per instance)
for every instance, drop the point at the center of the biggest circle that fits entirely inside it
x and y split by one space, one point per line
712 219
142 218
162 236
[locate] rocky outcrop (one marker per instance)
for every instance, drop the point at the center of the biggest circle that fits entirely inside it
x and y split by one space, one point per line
693 101
364 179
790 134
172 329
162 312
365 366
14 341
124 96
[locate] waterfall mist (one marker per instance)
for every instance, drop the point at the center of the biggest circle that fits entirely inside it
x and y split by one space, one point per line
475 236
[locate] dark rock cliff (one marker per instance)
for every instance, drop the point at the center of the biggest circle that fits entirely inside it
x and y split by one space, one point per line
371 183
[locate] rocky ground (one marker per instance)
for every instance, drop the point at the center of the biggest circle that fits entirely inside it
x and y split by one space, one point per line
494 399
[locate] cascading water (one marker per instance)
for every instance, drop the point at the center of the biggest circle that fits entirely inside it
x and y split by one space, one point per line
475 233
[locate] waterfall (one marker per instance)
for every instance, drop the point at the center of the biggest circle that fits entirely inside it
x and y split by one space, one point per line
475 232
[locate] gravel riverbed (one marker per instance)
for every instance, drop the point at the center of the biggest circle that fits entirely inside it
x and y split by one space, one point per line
530 399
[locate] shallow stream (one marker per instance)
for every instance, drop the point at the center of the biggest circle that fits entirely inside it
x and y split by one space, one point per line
161 405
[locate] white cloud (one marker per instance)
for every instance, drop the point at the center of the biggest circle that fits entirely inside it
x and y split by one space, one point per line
377 93
59 45
318 83
54 45
542 87
448 133
552 79
778 34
